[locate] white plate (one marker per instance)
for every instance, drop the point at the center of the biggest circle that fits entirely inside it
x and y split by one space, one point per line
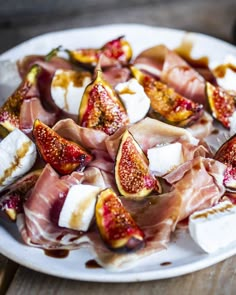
182 255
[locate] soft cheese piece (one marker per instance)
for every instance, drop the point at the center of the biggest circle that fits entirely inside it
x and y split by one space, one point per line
214 228
164 158
134 99
17 156
78 209
227 76
67 89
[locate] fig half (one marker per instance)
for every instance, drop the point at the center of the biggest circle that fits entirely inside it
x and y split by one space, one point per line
227 155
166 104
101 108
12 199
117 50
115 224
221 103
63 155
10 110
132 175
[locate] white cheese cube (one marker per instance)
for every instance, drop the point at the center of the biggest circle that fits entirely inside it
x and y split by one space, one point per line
228 79
214 228
134 99
78 210
67 90
164 158
17 156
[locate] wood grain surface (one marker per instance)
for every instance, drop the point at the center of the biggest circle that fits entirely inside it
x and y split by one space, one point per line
211 17
218 279
7 272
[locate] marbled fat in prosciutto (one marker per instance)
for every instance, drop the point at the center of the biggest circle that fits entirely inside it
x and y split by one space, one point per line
41 209
183 78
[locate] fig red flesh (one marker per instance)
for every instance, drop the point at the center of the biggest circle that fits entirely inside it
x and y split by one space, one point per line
116 226
118 50
100 107
227 155
221 103
131 170
12 199
166 104
63 155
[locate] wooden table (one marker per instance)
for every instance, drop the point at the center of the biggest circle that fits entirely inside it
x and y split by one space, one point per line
22 21
217 279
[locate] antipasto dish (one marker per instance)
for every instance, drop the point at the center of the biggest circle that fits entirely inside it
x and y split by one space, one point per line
106 150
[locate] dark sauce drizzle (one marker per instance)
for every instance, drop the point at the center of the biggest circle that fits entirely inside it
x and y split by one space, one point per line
57 253
92 264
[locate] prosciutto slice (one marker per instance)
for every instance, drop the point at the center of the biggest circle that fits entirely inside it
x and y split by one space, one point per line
32 109
151 60
172 69
50 66
115 75
183 78
42 207
87 137
148 133
203 127
200 185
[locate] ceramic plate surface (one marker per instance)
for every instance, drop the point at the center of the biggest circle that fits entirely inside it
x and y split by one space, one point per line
183 255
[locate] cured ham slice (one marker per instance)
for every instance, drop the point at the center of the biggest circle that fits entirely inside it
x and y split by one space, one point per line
100 178
151 60
172 69
204 178
42 207
88 137
200 186
203 127
184 79
115 75
102 161
32 109
50 66
148 133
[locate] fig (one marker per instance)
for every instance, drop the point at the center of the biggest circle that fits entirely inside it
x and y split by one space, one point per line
63 155
166 104
115 224
101 108
227 154
132 175
221 103
12 199
10 110
118 50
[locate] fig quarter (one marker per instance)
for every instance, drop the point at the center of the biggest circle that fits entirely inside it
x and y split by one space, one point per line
63 155
10 110
166 104
132 175
101 108
115 224
221 103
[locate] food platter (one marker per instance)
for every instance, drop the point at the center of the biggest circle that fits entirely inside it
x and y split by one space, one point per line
183 255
